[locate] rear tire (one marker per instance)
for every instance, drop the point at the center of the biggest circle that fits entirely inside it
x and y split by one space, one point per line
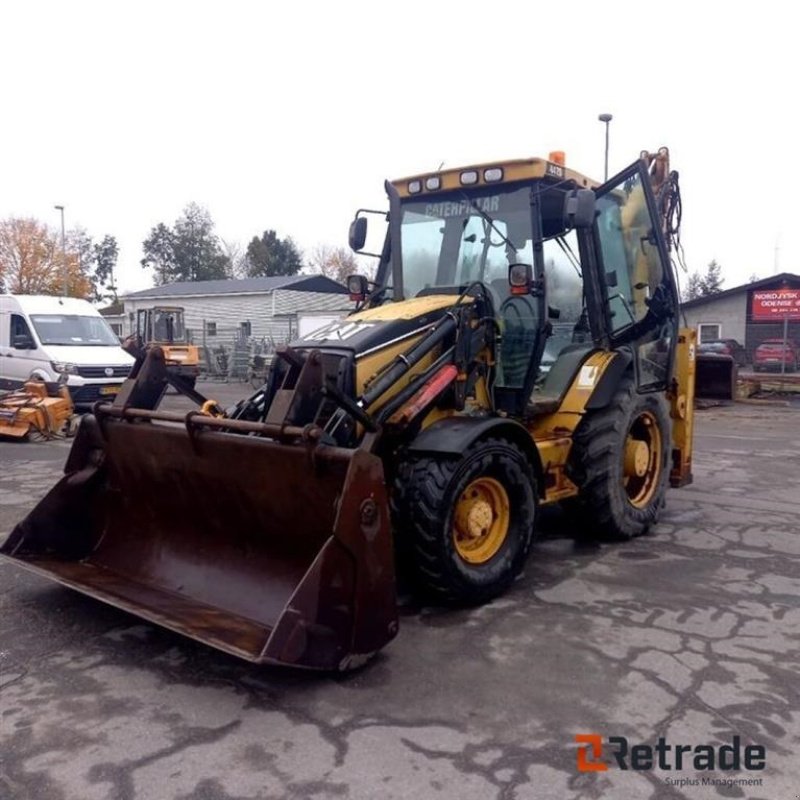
615 501
490 491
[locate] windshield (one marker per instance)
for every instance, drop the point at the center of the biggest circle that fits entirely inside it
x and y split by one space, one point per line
450 241
167 325
73 329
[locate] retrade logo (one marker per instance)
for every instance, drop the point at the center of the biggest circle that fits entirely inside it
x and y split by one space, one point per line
590 754
665 756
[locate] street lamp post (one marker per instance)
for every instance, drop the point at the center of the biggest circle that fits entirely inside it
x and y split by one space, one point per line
606 118
63 249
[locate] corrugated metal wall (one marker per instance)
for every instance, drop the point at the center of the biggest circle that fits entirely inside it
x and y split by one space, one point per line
269 314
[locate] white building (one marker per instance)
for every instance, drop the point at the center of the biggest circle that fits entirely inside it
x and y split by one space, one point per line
215 312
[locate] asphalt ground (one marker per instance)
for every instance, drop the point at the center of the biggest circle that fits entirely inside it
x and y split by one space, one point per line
690 633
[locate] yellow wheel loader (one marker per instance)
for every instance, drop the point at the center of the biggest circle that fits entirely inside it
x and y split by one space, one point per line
518 347
163 326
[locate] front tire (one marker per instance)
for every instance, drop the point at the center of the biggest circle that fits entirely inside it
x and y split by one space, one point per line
620 462
467 523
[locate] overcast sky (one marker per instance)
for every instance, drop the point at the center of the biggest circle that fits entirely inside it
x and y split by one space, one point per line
291 115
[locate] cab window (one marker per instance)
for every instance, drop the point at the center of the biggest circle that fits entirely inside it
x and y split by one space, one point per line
19 327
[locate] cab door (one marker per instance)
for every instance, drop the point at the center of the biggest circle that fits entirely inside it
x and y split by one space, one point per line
5 347
637 285
20 362
143 325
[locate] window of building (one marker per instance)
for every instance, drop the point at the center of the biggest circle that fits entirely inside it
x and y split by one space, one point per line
245 328
211 328
708 331
116 327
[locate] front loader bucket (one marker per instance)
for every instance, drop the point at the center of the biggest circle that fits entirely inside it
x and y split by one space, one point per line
274 552
715 377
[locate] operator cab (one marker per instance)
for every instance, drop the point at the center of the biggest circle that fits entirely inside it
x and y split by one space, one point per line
460 231
161 325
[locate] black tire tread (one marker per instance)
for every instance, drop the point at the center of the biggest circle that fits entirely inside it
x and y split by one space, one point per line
420 487
596 444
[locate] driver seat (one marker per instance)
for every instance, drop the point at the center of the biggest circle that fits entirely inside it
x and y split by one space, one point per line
519 323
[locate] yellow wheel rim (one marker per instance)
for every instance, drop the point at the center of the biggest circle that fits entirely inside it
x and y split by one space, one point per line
641 460
481 520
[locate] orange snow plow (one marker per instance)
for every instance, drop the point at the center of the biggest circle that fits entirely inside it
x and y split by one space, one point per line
37 409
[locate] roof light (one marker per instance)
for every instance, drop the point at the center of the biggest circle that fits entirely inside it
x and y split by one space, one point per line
469 177
414 187
557 157
433 183
493 175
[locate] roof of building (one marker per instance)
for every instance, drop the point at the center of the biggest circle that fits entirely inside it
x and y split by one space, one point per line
783 277
114 310
297 283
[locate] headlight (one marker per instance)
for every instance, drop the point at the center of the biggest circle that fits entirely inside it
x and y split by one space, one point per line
64 369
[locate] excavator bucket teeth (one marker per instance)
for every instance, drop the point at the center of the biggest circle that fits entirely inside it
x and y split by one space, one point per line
269 551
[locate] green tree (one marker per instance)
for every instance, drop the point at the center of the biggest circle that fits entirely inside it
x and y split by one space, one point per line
269 255
105 262
694 287
188 251
704 285
712 281
95 262
159 253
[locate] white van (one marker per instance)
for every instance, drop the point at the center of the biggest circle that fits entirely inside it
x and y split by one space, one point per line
60 338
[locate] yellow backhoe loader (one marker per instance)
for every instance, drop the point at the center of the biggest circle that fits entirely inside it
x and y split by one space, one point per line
518 347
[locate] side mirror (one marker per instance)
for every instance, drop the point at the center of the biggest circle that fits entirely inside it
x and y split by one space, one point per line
579 208
23 342
358 233
611 279
357 286
520 278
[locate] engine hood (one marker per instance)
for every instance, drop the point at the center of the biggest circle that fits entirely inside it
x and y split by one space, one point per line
375 328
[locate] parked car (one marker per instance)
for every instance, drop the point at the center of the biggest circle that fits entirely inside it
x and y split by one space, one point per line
60 339
725 347
771 353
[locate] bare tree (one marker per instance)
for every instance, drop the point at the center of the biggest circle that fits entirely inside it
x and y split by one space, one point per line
338 263
236 256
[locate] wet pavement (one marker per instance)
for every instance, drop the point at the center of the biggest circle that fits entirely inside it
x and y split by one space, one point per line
690 633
